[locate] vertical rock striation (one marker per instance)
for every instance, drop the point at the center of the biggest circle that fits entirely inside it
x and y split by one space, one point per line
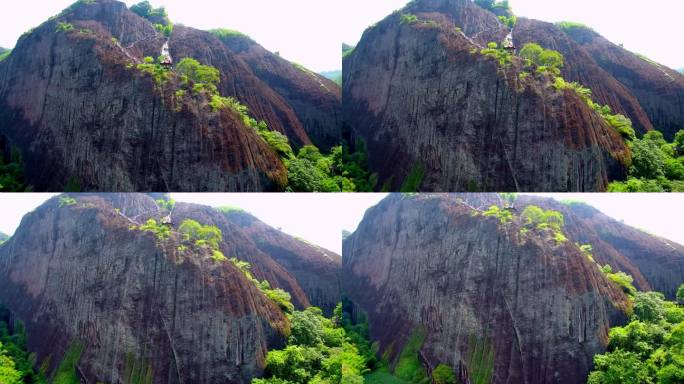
428 263
423 98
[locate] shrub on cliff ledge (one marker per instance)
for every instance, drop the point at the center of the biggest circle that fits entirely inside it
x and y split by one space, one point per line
546 60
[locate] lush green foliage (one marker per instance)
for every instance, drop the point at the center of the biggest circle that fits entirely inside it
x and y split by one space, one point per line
161 231
223 33
509 21
64 27
155 15
495 6
66 371
227 209
318 351
546 60
201 235
568 26
408 18
504 215
657 166
443 374
409 367
16 363
543 220
650 349
311 171
153 68
621 279
503 56
65 201
680 294
165 30
203 77
12 174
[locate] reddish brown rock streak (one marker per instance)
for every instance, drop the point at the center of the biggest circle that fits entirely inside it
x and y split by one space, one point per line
427 261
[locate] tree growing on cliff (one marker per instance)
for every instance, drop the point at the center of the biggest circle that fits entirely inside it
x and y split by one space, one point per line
544 59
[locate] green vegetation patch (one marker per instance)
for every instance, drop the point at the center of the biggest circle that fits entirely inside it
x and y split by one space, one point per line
279 296
409 367
569 26
66 371
228 209
480 361
502 56
16 363
161 231
223 33
155 15
12 173
414 179
64 27
650 349
66 201
5 54
657 165
546 60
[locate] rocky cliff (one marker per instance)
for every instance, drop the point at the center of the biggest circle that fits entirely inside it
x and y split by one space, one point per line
658 260
581 66
316 99
74 102
659 89
316 269
77 274
490 299
427 102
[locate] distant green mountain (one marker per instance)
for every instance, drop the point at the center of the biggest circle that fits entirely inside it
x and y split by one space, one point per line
2 50
3 237
681 70
335 76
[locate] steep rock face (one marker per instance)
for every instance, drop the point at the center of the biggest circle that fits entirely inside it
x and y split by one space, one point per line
425 262
316 99
421 98
659 260
654 263
237 243
581 67
308 272
660 90
316 269
237 80
77 274
76 106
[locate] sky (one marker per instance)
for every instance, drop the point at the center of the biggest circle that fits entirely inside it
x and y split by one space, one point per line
651 28
303 31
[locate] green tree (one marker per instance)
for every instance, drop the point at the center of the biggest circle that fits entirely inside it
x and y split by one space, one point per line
203 76
8 371
619 367
647 160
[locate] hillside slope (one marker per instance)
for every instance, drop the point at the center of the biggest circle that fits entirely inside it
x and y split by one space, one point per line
428 103
491 300
78 275
659 89
75 102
